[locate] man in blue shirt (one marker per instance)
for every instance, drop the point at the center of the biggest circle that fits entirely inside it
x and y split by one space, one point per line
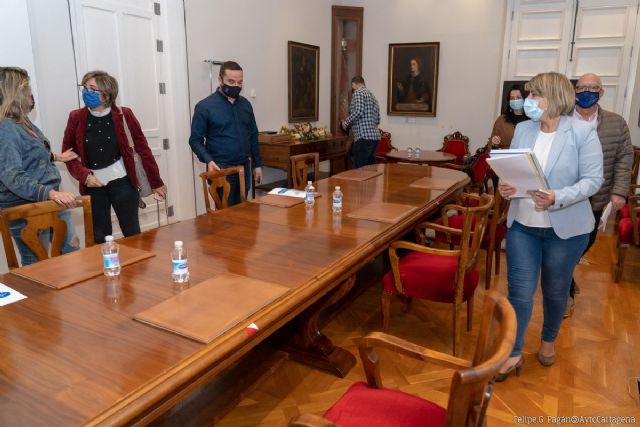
224 131
364 118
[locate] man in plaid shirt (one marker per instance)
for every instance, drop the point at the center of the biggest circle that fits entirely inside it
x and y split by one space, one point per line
364 118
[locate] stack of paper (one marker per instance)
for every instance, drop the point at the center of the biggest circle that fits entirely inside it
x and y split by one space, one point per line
287 192
520 168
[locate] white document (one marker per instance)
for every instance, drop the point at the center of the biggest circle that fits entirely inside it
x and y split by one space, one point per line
287 192
520 168
605 216
8 295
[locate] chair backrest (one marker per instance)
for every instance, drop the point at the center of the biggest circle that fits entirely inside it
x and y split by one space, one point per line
42 216
636 165
300 169
214 180
456 144
471 388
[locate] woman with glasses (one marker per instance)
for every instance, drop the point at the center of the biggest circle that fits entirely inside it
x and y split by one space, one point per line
26 161
105 167
549 230
505 125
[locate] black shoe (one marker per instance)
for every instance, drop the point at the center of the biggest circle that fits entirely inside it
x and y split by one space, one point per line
517 368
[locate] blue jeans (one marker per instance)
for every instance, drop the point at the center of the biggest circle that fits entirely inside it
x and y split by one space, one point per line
538 252
363 152
26 255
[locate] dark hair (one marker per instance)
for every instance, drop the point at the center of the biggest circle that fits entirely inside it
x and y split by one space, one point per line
229 65
418 61
508 112
357 80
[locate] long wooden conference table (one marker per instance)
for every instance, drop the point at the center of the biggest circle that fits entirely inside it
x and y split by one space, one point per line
76 356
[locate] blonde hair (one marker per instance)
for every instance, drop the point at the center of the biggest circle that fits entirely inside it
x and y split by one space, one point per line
15 94
107 84
557 90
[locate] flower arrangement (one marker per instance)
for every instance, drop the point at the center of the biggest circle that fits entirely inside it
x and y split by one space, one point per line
304 131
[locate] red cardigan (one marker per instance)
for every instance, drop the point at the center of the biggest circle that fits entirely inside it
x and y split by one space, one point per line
74 135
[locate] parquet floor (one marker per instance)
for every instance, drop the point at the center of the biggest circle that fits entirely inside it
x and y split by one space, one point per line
598 351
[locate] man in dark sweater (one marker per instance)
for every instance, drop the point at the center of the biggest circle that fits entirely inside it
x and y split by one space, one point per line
617 153
224 131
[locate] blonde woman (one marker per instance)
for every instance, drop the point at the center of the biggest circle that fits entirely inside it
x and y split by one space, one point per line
549 231
26 161
105 167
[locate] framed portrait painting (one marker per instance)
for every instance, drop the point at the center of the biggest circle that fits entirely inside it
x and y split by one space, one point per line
303 67
413 79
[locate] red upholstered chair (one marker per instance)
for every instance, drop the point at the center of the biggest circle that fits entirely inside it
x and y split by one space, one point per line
496 230
627 221
372 405
456 144
443 275
384 147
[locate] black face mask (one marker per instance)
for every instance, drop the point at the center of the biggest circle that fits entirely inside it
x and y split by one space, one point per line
231 91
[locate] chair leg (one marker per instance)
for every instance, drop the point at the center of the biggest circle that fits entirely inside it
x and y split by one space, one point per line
488 266
456 330
622 253
407 304
386 305
469 313
496 253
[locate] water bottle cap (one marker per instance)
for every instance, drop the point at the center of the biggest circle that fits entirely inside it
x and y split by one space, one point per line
178 243
108 238
337 187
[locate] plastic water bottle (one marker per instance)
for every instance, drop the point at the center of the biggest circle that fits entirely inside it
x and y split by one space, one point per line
180 272
416 153
110 257
337 200
310 194
409 153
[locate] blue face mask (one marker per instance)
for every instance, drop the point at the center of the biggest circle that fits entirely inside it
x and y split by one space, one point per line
231 91
91 99
532 109
587 99
516 104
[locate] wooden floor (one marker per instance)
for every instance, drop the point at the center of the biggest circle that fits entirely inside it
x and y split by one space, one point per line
598 351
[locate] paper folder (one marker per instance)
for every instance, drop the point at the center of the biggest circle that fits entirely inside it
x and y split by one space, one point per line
520 168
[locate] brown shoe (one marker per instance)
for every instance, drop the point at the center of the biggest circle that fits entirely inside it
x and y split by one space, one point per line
546 360
571 303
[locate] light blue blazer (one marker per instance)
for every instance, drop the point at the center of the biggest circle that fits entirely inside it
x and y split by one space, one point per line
573 171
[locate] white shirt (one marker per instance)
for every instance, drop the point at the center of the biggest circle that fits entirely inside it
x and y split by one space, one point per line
527 213
592 119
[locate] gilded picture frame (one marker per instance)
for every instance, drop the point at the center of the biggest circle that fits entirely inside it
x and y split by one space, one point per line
413 79
303 70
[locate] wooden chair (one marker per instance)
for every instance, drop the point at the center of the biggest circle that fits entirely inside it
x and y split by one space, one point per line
214 180
457 144
443 275
300 169
42 216
627 229
366 404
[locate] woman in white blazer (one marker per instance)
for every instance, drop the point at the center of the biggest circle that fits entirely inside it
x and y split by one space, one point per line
549 231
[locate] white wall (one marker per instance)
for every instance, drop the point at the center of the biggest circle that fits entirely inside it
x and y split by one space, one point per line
470 35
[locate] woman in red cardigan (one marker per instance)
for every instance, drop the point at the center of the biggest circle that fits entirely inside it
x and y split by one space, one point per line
105 167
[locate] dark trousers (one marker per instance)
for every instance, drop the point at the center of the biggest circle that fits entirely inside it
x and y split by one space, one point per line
124 198
234 182
592 238
363 152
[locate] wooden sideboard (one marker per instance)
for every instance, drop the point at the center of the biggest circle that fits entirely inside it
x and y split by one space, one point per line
276 154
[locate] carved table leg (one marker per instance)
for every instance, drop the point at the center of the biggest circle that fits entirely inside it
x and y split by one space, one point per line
310 346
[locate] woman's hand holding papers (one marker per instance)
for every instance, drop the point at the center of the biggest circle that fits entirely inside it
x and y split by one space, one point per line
543 199
506 190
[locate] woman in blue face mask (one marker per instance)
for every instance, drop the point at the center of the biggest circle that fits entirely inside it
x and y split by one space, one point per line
105 167
549 230
505 125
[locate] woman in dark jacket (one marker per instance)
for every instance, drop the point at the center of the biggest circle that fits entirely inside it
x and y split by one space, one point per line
105 168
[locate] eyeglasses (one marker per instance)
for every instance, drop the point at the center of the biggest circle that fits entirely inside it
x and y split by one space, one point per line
590 88
81 88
